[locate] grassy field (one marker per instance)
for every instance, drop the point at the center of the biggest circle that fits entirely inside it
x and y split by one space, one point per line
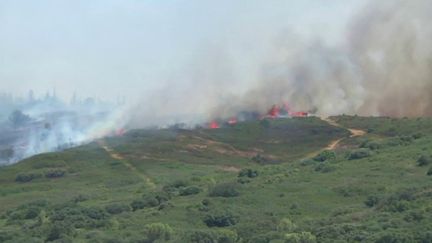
259 182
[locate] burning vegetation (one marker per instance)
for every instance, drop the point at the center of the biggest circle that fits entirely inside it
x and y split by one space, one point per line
275 112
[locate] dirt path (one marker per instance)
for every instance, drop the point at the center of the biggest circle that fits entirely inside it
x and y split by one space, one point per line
335 143
113 154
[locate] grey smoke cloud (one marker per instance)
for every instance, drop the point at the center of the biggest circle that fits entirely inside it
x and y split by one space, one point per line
381 67
191 61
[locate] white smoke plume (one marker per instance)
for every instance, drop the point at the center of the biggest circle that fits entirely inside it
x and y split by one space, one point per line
382 67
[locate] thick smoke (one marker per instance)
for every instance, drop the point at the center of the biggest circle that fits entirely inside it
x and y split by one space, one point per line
41 126
381 67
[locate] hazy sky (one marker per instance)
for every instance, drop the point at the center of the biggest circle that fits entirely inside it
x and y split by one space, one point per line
109 48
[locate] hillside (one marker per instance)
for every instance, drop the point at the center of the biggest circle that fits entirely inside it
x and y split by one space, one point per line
351 179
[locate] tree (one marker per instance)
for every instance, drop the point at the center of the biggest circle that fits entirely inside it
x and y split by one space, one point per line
18 118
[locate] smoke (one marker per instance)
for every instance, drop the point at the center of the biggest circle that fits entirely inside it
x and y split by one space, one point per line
381 67
51 125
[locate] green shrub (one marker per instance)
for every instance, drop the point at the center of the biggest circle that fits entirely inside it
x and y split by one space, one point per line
210 236
303 237
27 177
248 173
307 162
117 208
359 154
220 219
325 168
55 173
224 190
286 226
371 201
325 155
372 145
417 135
424 160
429 172
263 160
158 231
394 237
190 190
243 180
173 188
144 203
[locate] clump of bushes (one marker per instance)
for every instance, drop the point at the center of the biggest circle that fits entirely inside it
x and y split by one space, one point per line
25 212
325 155
55 173
307 162
77 216
117 208
371 201
158 232
201 236
175 187
224 190
359 154
325 168
263 160
144 203
424 160
372 145
220 219
248 173
150 201
27 177
302 237
429 172
190 190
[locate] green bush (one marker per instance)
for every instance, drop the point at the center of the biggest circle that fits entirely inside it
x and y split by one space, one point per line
359 154
55 173
372 145
424 160
371 201
286 226
307 162
79 217
248 173
324 168
27 177
190 190
224 190
394 237
158 231
429 172
117 208
325 155
220 219
303 237
144 203
210 236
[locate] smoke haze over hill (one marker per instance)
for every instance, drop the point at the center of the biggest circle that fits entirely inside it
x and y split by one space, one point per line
191 61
